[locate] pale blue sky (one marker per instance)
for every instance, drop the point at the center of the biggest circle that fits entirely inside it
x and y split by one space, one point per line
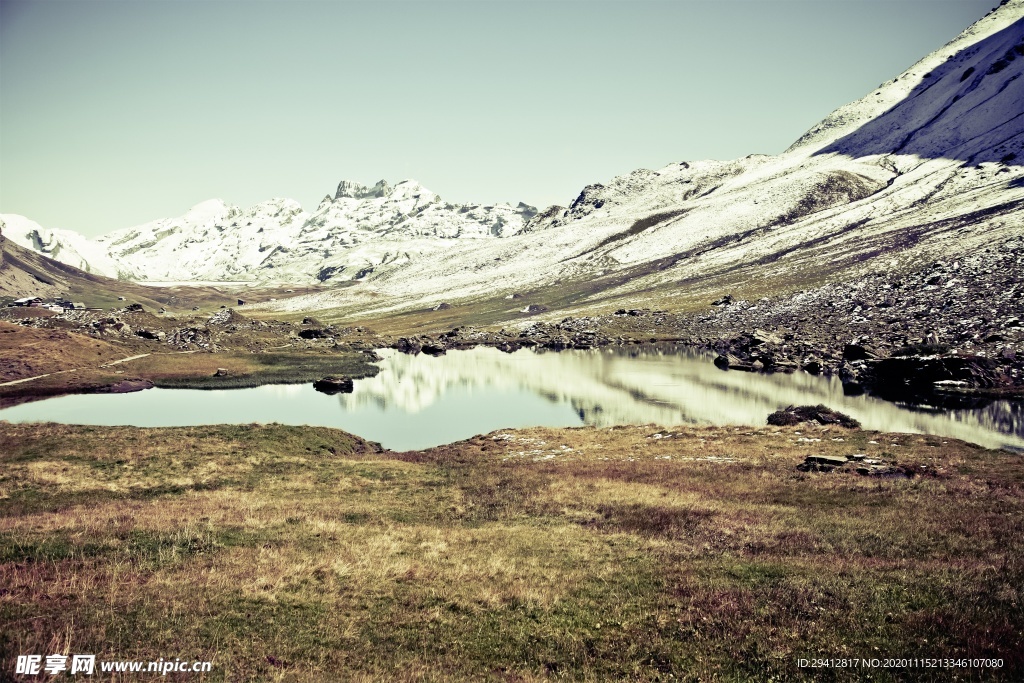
116 113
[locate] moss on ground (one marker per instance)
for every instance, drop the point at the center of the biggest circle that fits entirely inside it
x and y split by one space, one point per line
257 369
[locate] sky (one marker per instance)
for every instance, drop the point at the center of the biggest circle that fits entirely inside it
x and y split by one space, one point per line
113 114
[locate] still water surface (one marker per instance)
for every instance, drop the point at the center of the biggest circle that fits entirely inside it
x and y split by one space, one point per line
420 401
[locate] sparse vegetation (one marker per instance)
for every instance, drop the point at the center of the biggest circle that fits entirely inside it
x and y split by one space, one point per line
257 369
295 553
837 188
640 225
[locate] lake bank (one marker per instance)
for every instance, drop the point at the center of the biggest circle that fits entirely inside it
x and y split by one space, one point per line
413 401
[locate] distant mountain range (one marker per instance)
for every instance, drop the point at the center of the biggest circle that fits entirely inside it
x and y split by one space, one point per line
345 238
928 164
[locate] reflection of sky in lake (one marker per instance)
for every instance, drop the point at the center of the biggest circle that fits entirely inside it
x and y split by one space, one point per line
419 401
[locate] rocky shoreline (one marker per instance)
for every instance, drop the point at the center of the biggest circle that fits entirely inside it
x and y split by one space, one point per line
948 333
913 373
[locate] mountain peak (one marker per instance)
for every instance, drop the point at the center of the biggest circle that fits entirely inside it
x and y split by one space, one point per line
354 190
962 101
211 209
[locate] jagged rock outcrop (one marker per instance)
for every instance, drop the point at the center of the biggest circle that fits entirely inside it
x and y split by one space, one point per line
347 237
353 190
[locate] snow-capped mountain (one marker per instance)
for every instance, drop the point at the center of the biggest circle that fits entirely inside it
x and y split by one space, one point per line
65 246
928 164
345 238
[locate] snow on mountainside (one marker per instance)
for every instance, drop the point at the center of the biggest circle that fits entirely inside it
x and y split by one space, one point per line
346 237
212 241
61 245
929 163
962 101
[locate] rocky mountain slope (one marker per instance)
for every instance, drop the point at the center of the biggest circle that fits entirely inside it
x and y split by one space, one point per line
928 166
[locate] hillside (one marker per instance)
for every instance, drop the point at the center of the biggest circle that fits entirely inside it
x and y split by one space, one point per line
24 272
926 168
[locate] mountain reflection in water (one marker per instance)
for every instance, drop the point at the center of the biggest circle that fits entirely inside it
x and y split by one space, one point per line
421 401
641 385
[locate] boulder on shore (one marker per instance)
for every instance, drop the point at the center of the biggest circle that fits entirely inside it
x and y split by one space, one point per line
794 415
314 333
126 386
334 385
433 349
730 361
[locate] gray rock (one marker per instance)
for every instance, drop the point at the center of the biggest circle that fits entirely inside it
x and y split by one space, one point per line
334 385
766 337
833 460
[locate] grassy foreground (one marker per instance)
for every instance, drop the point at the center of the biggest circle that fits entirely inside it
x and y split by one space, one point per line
633 553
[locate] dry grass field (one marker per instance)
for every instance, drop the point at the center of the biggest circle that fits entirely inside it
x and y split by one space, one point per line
633 553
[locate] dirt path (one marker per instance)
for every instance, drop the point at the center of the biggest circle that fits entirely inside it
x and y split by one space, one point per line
124 360
61 372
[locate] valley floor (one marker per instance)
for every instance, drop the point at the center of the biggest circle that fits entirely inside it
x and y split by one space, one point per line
638 553
631 553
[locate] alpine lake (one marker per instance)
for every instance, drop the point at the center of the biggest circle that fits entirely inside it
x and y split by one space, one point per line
416 402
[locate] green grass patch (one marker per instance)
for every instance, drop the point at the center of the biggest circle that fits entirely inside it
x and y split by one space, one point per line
279 368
